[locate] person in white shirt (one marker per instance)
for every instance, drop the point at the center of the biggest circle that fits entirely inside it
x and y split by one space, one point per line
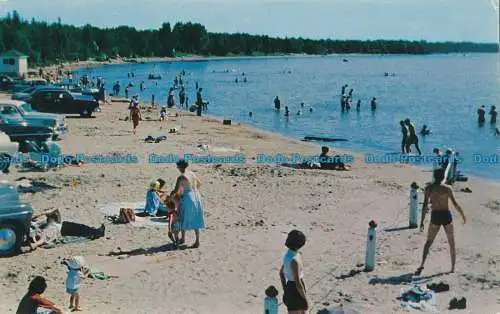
291 275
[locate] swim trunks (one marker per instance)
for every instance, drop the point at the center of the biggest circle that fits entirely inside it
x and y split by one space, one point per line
441 217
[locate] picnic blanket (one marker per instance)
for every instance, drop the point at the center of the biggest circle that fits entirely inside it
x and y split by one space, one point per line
418 298
113 209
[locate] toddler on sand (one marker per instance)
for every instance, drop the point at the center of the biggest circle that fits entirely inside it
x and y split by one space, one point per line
76 271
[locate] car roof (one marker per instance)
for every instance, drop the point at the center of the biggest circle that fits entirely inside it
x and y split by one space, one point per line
16 103
51 89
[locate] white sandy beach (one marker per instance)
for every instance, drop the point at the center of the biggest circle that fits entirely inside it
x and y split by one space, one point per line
249 210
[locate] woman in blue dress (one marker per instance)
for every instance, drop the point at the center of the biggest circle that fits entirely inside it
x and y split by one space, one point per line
190 206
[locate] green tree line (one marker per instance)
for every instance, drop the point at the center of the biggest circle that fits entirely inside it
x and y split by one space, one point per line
48 43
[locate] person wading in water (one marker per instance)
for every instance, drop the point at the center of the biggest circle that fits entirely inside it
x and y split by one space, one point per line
404 132
412 137
438 195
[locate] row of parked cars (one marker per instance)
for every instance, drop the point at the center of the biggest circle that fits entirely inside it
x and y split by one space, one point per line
29 122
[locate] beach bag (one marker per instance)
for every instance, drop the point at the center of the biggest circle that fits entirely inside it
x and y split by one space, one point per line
127 215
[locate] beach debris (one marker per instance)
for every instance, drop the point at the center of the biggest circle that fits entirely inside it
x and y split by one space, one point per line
155 139
457 304
438 287
33 185
417 297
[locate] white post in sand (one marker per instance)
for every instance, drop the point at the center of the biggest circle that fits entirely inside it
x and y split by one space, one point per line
413 223
370 247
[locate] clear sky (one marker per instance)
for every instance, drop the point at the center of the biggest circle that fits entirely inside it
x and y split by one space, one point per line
433 20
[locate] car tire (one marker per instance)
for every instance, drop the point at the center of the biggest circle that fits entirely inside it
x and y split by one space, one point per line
11 239
86 113
5 161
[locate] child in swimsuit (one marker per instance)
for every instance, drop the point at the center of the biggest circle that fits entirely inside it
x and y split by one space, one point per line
163 113
172 204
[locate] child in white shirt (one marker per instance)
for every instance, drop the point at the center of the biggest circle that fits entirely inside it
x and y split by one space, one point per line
76 271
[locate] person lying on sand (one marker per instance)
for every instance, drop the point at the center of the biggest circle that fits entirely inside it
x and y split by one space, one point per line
53 228
438 195
329 162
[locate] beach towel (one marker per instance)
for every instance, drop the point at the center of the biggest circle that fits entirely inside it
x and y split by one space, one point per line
97 274
63 241
418 298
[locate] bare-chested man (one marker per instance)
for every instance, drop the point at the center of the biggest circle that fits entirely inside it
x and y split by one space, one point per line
412 137
438 194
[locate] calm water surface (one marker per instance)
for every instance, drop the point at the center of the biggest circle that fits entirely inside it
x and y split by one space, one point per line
441 91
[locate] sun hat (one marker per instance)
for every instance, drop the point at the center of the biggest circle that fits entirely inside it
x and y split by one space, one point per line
76 262
155 185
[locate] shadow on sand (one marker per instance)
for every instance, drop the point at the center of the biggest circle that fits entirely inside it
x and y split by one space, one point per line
398 229
403 279
142 251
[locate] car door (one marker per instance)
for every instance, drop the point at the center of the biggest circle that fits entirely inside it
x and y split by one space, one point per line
42 101
67 103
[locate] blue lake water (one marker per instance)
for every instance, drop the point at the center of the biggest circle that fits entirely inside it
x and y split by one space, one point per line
441 91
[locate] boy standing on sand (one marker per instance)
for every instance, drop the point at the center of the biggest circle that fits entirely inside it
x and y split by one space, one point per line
135 116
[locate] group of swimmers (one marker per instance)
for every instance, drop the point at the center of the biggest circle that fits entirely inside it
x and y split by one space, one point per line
481 115
346 100
409 136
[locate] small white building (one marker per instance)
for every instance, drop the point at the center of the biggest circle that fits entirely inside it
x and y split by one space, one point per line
14 63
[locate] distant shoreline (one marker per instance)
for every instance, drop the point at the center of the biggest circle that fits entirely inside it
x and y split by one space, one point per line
77 65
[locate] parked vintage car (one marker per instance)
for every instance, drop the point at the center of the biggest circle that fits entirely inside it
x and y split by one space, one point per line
13 110
24 94
22 85
8 150
6 82
24 131
58 100
15 220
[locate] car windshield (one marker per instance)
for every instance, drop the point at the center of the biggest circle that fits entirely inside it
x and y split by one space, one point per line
26 108
29 90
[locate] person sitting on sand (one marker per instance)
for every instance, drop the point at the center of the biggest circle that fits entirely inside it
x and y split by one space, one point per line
438 195
154 205
291 275
330 163
33 302
50 230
